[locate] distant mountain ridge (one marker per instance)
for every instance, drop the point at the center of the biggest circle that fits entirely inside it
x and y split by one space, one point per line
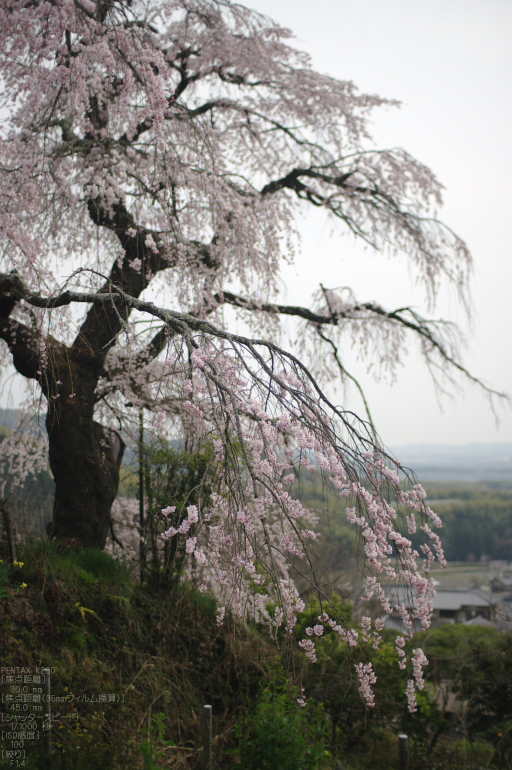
475 461
9 417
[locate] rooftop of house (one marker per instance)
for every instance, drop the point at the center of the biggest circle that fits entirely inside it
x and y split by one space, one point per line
445 599
504 580
478 620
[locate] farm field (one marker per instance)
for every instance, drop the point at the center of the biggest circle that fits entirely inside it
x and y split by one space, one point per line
463 574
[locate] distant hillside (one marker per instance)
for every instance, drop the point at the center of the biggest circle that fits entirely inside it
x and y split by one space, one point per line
9 417
431 462
458 462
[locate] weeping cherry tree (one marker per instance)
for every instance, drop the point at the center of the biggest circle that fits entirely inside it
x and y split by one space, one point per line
154 159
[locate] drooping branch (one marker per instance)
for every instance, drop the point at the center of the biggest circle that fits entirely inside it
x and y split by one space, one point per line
126 366
344 373
268 307
24 344
407 318
117 304
183 324
31 350
117 299
358 190
292 181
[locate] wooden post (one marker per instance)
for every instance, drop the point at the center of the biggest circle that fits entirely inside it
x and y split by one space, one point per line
47 711
403 752
207 737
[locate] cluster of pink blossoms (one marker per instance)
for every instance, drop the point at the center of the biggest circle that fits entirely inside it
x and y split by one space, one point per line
245 544
367 677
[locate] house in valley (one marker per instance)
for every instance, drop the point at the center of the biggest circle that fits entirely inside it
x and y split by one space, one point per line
449 605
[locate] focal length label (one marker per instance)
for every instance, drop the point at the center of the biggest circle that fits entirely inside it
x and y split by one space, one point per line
31 708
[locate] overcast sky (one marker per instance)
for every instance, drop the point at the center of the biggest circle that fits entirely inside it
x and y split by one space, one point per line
450 63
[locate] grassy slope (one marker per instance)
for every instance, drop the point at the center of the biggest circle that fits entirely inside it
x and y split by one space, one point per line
105 633
164 655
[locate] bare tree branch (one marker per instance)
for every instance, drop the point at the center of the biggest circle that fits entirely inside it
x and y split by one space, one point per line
405 317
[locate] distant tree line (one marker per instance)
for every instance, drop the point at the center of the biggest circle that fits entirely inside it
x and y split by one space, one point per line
477 519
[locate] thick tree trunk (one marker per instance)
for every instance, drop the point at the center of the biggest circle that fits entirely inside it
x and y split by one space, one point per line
85 459
87 479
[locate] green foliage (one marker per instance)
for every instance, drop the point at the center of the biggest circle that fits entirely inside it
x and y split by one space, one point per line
278 734
12 577
78 747
337 542
477 520
166 649
102 566
48 557
74 639
4 433
337 606
150 649
50 549
86 577
152 749
205 603
356 731
173 477
478 663
128 482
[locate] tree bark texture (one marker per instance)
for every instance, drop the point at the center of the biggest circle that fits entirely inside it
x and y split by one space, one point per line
86 475
84 456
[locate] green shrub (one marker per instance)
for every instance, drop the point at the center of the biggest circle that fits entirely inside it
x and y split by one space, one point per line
279 734
152 749
173 477
49 558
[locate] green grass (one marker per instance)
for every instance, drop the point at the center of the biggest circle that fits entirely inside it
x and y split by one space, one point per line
89 565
